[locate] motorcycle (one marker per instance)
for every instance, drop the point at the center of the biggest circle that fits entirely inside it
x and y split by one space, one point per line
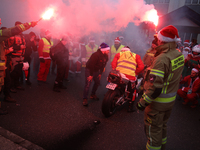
117 94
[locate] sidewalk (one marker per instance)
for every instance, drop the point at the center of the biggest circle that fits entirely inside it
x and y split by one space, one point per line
11 141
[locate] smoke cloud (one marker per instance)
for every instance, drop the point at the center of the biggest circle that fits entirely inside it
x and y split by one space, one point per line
106 19
80 17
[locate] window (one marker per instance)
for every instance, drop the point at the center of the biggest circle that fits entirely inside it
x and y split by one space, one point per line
161 1
147 1
194 1
155 1
188 2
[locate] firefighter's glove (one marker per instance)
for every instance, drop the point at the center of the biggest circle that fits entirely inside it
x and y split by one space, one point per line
42 60
26 25
139 106
33 23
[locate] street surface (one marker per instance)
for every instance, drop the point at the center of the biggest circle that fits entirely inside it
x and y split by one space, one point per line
58 121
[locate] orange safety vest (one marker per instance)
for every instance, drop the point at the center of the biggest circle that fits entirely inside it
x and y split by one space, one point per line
90 51
114 51
126 64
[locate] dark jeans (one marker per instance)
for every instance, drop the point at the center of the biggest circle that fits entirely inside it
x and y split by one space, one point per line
88 83
7 83
61 69
15 75
131 90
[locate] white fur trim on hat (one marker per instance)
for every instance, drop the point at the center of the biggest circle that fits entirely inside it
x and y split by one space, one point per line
187 48
166 39
168 34
105 49
195 70
117 39
186 42
196 48
125 49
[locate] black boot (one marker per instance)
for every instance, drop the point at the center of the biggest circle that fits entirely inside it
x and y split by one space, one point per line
131 107
56 87
62 86
8 98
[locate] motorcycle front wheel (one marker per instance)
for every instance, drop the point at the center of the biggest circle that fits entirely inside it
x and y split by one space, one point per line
109 102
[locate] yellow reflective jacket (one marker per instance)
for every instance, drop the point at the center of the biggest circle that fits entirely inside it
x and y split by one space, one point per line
45 53
90 51
163 77
114 51
126 64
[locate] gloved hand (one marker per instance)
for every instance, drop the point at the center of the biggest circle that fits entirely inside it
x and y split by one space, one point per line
27 26
139 106
42 60
33 23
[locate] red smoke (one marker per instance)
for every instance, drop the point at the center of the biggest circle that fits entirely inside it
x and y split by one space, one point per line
81 17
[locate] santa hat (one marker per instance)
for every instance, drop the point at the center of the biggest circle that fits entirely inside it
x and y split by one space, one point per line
178 40
91 39
186 42
196 48
187 48
168 34
195 70
104 47
126 48
117 39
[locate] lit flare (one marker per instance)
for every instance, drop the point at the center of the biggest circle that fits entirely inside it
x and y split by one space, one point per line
153 16
47 14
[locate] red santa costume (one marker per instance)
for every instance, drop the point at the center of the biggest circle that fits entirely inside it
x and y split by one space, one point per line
192 92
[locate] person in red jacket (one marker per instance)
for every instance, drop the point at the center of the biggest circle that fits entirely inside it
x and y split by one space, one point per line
129 64
192 92
44 55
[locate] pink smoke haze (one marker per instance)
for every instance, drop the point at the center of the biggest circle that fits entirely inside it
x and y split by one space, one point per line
81 17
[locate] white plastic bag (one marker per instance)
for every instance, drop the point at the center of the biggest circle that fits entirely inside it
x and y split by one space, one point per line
25 66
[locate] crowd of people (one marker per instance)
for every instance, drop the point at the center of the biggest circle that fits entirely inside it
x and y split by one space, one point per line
169 68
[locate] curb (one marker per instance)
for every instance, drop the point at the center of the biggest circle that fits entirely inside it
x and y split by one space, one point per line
19 142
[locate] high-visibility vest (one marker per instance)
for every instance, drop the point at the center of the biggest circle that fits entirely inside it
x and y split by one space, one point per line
90 51
126 64
46 48
47 45
114 51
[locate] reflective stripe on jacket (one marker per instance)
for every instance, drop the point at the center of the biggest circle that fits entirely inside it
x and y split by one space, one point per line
18 41
164 76
126 64
114 51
